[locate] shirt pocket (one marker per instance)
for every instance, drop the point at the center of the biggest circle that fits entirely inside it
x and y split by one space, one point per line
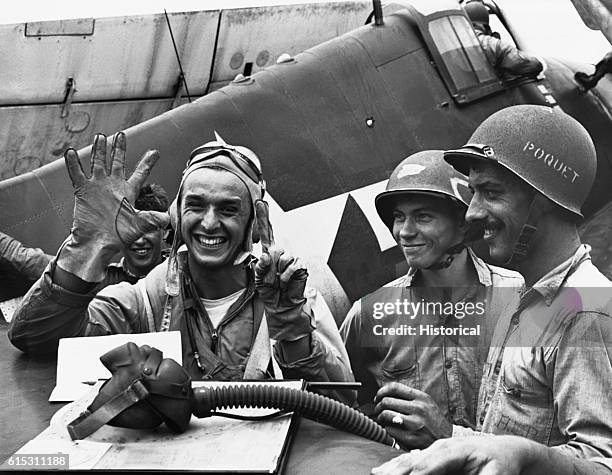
525 406
400 367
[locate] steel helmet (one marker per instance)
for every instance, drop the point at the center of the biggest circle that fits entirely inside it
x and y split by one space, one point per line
477 12
545 147
426 173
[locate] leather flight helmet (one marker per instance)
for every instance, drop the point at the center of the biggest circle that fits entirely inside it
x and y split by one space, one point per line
545 147
424 172
477 12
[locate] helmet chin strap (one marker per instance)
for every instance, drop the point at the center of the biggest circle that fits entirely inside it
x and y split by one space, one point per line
525 237
473 233
450 254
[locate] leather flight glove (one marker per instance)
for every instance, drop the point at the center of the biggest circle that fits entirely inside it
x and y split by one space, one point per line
104 220
280 281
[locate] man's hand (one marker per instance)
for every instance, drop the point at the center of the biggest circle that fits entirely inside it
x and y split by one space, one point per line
482 455
490 455
104 220
280 281
410 416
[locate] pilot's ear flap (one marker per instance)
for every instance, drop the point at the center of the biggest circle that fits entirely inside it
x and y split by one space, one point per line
173 212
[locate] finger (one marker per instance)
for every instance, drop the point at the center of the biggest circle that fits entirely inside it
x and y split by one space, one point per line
264 262
276 256
284 261
267 270
264 228
98 156
152 220
439 462
74 167
398 390
398 404
395 466
409 423
143 169
117 165
262 267
405 439
289 273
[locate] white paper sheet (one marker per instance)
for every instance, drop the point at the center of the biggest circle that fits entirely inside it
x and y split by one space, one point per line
78 359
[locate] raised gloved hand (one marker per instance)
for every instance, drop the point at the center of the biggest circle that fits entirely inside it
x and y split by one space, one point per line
280 281
104 220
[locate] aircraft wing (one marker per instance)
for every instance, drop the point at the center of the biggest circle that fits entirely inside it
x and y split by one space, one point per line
61 81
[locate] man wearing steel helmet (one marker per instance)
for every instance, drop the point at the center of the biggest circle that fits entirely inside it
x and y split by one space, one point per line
424 209
226 306
508 61
548 373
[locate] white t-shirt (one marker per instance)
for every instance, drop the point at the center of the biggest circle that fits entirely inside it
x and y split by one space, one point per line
217 308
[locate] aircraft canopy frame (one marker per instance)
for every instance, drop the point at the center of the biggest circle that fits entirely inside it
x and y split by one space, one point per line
457 54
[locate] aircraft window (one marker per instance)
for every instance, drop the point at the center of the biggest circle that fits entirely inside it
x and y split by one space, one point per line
473 49
461 52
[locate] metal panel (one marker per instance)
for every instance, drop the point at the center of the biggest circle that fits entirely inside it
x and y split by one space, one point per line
132 57
260 35
126 58
35 135
81 26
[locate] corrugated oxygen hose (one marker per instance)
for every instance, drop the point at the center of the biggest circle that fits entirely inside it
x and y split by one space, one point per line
310 405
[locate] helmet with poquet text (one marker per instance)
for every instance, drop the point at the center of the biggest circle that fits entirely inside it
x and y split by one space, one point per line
545 147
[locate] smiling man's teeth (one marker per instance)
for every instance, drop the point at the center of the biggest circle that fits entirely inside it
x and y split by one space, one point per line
141 252
210 242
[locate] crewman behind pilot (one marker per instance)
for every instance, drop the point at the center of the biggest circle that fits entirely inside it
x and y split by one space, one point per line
226 304
390 334
508 61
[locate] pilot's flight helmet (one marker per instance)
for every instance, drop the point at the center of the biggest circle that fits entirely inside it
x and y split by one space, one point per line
425 173
545 147
477 12
241 162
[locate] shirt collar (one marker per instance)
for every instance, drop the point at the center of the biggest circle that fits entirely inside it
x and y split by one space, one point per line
484 274
128 271
548 285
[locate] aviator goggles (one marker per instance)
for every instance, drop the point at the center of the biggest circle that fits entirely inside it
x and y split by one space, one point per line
242 161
